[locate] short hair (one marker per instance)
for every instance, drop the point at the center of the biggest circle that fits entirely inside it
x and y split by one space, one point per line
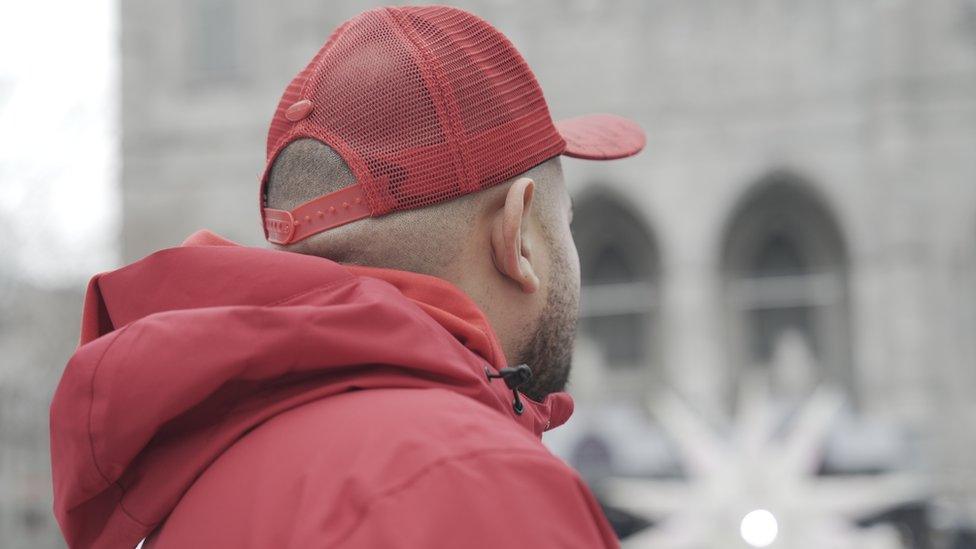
425 240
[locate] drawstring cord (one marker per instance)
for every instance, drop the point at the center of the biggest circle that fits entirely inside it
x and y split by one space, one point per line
515 377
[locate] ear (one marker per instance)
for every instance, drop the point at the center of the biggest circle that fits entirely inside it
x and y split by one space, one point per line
510 245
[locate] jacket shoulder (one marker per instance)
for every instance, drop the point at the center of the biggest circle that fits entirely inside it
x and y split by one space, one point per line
328 461
415 425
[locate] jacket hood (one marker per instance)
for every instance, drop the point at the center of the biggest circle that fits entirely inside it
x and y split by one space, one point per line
185 351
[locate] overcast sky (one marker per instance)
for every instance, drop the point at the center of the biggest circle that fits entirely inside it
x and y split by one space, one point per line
59 139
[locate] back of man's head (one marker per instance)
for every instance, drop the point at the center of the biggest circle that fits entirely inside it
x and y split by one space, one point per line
428 240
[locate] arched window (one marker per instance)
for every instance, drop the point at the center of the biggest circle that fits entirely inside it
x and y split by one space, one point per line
618 261
785 277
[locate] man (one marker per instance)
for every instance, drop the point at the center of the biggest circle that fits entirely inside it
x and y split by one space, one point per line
387 385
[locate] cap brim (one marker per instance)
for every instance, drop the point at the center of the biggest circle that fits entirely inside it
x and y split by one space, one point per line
601 136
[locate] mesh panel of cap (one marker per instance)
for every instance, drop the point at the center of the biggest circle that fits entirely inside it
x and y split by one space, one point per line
424 104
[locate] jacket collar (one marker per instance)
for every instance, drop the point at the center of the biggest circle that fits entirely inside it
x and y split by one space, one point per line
457 313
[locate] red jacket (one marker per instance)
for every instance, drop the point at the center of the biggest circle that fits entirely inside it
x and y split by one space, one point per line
230 396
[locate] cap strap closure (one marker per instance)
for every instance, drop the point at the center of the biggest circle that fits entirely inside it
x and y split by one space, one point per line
319 214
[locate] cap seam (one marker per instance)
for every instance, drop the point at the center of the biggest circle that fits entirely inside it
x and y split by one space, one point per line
426 59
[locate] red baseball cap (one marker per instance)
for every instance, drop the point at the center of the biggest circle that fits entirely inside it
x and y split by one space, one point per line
424 104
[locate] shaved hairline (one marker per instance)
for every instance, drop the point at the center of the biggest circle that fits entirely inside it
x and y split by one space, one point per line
426 240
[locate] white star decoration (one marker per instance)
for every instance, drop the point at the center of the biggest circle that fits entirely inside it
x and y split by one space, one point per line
757 488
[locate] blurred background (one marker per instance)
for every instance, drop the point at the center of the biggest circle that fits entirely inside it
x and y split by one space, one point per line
777 345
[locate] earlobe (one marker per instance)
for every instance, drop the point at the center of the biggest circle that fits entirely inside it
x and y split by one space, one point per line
510 245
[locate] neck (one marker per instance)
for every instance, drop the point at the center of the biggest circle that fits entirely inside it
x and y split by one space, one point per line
505 307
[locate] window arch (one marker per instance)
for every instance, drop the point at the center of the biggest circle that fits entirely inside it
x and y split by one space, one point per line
619 266
785 279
